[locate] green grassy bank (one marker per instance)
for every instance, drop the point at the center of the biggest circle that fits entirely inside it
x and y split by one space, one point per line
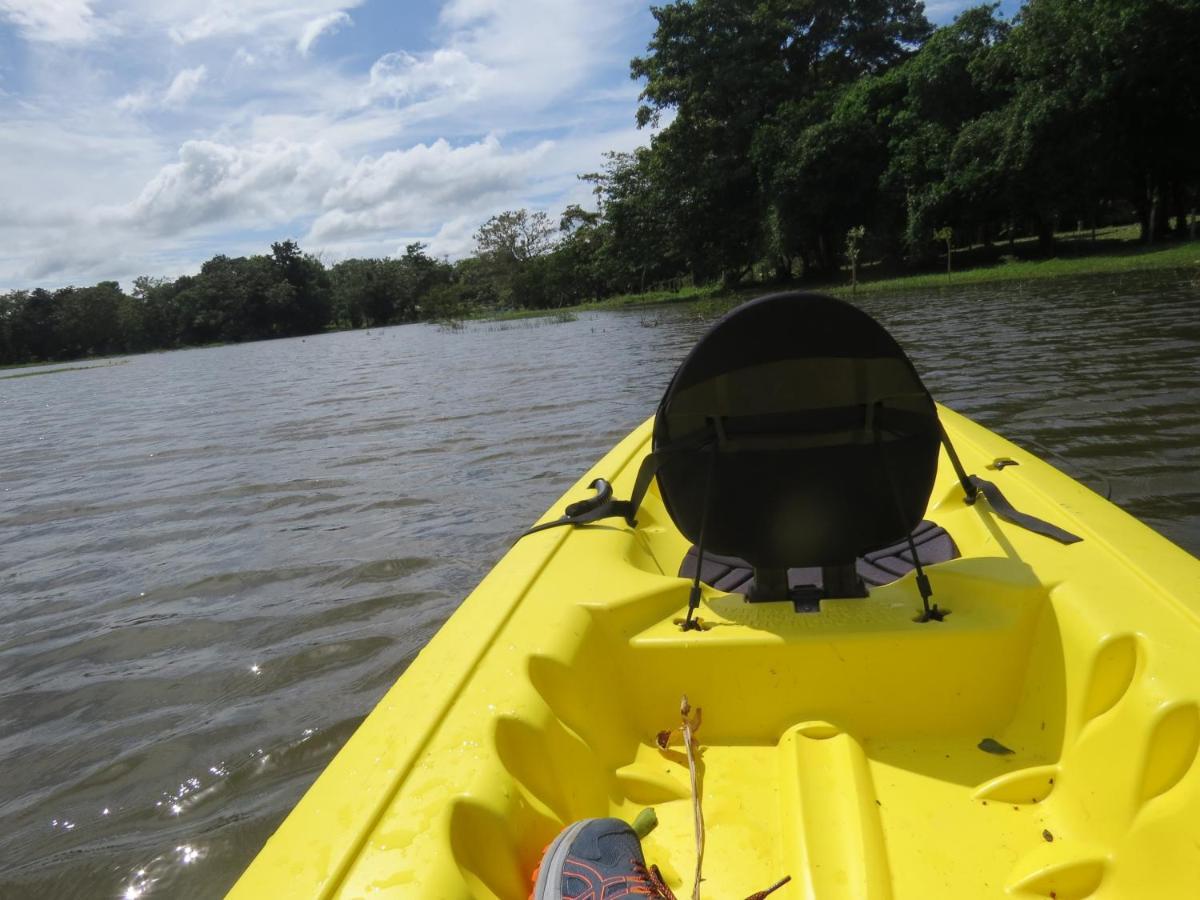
1112 251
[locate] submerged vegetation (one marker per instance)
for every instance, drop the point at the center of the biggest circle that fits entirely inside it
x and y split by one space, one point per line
827 142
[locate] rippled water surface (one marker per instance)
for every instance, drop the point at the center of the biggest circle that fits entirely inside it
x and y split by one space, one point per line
213 562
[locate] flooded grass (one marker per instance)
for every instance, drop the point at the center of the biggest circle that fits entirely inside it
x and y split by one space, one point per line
107 365
1180 256
1114 251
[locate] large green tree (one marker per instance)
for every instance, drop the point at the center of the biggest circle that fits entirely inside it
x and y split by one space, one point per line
935 161
1106 108
641 227
725 68
508 246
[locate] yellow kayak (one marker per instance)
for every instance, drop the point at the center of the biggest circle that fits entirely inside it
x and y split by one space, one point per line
1029 728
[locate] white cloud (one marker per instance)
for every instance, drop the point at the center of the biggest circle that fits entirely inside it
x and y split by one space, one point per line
181 89
459 13
54 163
330 22
503 62
218 183
187 21
52 21
184 85
412 191
455 238
135 101
448 73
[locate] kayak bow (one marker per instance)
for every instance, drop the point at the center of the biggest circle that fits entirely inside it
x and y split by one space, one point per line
1040 740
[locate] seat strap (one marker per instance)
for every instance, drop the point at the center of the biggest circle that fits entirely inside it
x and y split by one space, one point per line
604 506
689 623
1005 510
964 479
973 486
929 613
601 506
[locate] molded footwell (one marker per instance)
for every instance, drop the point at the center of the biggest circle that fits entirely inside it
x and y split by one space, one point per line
830 815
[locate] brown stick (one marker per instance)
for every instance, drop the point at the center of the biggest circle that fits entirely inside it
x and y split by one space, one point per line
689 728
762 895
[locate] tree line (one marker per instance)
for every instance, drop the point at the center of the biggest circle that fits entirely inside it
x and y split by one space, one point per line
799 136
231 299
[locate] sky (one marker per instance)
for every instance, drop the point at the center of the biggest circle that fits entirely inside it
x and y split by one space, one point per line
145 136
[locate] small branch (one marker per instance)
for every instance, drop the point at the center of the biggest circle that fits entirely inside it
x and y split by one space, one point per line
762 895
689 728
689 725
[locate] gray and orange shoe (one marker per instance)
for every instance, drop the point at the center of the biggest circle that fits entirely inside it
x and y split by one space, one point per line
595 859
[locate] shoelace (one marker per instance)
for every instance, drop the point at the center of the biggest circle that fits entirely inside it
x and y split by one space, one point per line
651 882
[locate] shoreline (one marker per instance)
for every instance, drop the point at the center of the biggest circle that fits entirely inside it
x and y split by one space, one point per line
1119 260
1115 255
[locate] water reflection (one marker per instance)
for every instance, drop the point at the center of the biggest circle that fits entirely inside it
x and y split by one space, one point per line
160 872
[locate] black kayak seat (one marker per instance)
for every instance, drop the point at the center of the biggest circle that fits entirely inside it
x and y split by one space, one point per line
796 434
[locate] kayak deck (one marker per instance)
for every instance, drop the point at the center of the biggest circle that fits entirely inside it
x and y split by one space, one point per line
1039 741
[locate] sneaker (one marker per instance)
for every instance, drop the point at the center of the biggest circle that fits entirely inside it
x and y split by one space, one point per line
594 859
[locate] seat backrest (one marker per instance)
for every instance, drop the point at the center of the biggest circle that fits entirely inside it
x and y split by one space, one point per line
805 430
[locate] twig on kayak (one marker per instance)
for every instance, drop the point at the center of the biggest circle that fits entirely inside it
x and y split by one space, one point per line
664 892
762 895
688 727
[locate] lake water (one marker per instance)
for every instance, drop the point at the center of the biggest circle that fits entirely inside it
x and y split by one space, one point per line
213 562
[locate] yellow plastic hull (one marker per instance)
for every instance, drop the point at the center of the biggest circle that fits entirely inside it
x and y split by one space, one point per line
841 748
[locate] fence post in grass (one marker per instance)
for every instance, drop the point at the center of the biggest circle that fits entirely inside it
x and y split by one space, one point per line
946 234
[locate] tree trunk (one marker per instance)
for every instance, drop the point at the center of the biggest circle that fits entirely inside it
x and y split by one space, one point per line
1179 208
822 252
1145 210
1045 235
1161 215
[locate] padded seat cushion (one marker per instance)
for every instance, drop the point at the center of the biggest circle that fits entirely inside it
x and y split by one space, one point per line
877 568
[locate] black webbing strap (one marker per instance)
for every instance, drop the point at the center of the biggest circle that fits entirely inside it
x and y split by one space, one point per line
1005 510
929 613
654 461
603 506
963 478
973 486
689 623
